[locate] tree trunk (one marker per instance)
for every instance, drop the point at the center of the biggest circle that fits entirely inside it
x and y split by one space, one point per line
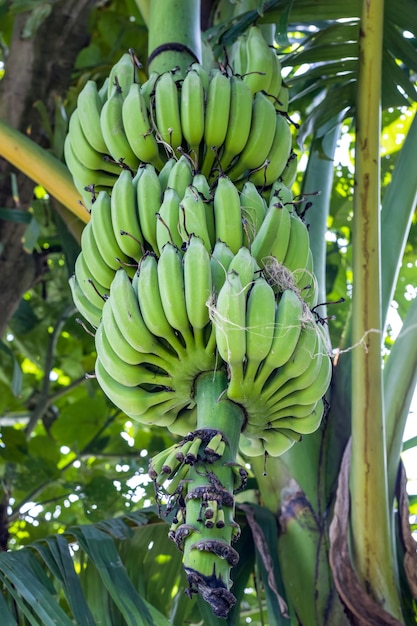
38 68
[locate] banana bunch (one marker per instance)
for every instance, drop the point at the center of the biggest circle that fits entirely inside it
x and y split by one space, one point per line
154 336
277 358
231 121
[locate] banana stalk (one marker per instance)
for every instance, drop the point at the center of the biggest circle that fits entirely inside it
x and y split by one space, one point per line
370 527
174 35
204 526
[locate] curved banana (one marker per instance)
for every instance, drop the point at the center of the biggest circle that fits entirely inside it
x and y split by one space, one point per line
89 285
149 298
260 63
260 327
86 154
274 86
167 112
124 215
192 111
310 393
261 136
288 327
245 266
138 128
307 282
83 176
96 265
220 260
192 219
251 446
229 318
128 317
87 309
289 173
277 157
216 119
198 285
165 171
119 343
275 442
149 197
172 291
200 183
180 175
253 208
102 225
133 401
130 375
305 351
89 108
148 89
240 118
296 258
111 121
168 220
283 99
122 76
276 224
304 425
227 214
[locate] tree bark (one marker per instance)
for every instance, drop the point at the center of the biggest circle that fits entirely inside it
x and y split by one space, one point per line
38 68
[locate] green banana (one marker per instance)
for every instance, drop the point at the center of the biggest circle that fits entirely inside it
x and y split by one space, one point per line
240 118
135 401
274 86
289 173
198 284
245 265
165 171
180 175
149 298
297 364
104 235
124 215
149 195
192 219
288 326
200 183
129 319
89 108
251 446
269 232
168 220
219 262
275 442
260 63
216 119
307 283
138 128
122 76
229 318
260 139
96 265
260 327
296 258
172 291
83 176
89 285
277 157
119 343
167 112
111 121
253 208
86 154
148 89
87 309
192 111
130 375
304 425
227 214
283 99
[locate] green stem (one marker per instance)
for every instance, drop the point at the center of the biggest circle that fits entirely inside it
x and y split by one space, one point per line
175 25
370 520
42 167
208 555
